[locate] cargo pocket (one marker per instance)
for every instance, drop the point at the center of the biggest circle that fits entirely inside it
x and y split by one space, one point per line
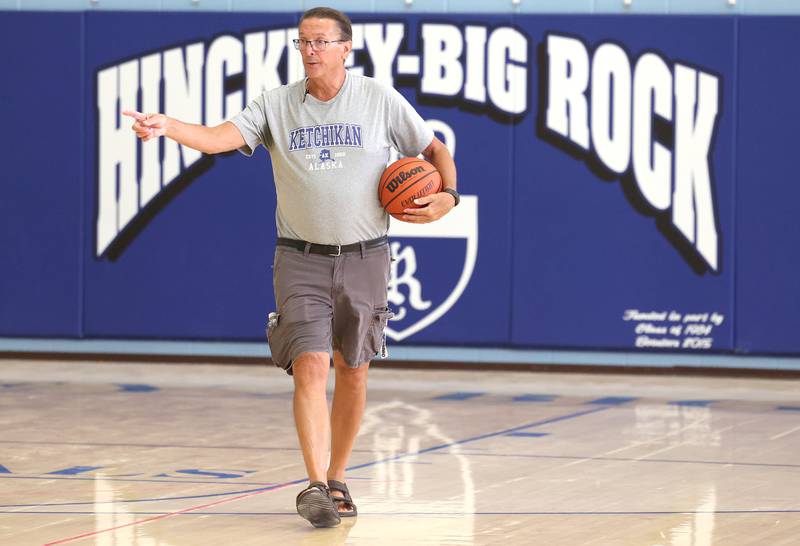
273 338
375 343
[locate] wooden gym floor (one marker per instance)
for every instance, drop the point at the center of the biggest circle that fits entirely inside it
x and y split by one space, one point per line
193 454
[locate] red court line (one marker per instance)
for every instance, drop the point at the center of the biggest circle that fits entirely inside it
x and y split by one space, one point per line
177 512
350 468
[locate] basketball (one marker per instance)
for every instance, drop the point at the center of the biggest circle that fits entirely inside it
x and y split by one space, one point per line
405 180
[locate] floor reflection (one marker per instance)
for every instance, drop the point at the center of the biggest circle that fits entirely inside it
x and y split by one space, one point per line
699 530
111 514
404 484
674 425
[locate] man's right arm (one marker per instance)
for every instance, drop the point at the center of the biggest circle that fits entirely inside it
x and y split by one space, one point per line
209 140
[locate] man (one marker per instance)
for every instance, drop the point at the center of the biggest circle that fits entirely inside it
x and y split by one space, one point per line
329 137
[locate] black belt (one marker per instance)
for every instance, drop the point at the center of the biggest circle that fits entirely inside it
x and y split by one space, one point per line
332 250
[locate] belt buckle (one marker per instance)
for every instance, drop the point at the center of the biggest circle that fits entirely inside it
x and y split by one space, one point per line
338 251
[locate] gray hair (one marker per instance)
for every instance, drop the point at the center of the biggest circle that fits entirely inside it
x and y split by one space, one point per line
342 20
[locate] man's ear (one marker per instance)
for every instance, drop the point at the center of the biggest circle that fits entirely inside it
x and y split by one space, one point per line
347 47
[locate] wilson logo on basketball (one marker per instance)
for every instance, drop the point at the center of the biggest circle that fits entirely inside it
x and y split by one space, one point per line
398 180
405 180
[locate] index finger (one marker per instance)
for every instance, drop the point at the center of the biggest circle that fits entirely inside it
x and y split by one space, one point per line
138 116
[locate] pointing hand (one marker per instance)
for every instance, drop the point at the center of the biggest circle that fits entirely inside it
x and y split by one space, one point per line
148 126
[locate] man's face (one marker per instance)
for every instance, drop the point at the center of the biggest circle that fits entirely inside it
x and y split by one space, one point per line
327 62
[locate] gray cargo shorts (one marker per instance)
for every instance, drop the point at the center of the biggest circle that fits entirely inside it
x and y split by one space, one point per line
327 301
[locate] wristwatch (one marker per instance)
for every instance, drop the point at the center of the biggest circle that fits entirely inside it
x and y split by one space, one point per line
454 193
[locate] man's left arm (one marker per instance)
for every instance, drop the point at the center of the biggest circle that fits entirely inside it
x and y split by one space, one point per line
438 204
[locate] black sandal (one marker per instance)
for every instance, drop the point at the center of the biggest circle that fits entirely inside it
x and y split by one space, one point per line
314 503
342 496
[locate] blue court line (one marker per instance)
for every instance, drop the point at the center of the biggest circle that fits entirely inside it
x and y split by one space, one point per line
178 393
135 387
110 479
613 400
535 398
626 459
73 471
356 467
481 437
459 396
528 434
433 514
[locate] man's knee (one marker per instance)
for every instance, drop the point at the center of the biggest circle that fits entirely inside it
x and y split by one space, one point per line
311 368
351 377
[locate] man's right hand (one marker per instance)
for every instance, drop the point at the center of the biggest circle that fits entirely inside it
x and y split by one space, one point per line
225 137
148 126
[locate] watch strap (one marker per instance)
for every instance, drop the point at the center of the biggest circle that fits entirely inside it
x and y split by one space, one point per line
454 193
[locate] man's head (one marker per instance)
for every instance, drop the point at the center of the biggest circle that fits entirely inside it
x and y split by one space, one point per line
325 41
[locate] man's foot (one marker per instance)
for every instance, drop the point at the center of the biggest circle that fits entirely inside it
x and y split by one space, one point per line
314 504
340 496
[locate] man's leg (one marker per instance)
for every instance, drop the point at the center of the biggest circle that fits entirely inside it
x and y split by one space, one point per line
310 373
349 399
360 310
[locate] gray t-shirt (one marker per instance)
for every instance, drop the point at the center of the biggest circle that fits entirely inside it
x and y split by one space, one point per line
327 157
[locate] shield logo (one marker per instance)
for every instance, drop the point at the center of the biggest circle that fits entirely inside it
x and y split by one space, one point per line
420 261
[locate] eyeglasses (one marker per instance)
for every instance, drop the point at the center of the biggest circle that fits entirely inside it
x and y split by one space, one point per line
316 45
